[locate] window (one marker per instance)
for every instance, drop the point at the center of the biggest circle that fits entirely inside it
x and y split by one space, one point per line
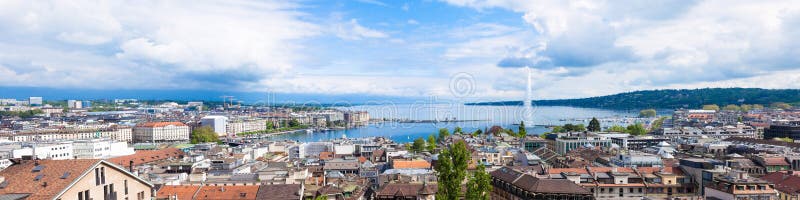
630 190
103 175
96 176
126 186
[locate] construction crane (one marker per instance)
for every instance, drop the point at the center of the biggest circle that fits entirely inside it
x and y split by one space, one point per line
225 101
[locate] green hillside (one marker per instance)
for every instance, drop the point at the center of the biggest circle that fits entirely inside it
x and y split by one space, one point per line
670 99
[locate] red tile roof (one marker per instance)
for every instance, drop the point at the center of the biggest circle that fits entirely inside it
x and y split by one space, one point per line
228 192
147 156
21 177
410 164
784 182
181 191
775 161
160 124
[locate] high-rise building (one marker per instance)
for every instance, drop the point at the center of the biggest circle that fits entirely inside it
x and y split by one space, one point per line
35 101
217 123
74 104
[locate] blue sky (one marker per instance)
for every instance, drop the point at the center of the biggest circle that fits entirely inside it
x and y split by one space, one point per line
463 49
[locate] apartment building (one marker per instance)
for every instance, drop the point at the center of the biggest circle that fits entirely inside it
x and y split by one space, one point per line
161 132
245 125
114 132
79 179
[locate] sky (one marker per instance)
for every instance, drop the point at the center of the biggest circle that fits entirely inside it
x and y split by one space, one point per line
451 49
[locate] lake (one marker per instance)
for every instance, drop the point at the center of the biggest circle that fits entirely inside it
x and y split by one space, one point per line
485 116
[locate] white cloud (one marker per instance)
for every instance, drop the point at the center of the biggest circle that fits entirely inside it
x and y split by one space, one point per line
165 42
373 2
413 22
352 30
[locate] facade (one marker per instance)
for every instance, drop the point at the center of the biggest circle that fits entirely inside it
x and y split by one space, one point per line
783 131
217 123
35 101
80 179
394 191
738 185
54 151
510 184
74 104
246 125
356 118
637 143
161 132
100 148
114 132
568 143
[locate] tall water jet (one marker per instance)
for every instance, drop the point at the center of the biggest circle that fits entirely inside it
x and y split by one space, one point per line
528 116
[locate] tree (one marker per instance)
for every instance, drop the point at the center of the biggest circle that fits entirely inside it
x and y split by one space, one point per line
204 134
558 129
294 123
457 130
477 132
647 113
636 129
714 107
758 107
746 107
443 133
270 125
781 105
418 145
574 127
594 125
543 135
479 186
657 124
451 171
408 147
522 131
731 107
321 197
431 143
617 128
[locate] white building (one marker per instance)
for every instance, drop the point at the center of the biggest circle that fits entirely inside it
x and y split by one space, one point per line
35 101
344 149
74 104
161 132
114 132
54 151
246 125
217 123
100 149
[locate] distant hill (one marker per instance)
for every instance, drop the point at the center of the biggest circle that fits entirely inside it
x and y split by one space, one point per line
670 99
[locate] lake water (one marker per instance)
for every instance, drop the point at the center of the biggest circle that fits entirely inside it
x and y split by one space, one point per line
486 116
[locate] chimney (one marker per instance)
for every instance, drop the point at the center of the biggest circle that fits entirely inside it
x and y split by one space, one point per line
130 166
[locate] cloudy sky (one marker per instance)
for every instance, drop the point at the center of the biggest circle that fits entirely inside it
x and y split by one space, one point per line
449 48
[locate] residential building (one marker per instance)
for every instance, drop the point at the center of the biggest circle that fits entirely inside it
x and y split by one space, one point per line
738 185
74 104
217 123
510 184
161 132
245 125
35 101
407 191
80 179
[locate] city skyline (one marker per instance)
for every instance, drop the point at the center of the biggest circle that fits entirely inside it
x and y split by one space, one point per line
395 49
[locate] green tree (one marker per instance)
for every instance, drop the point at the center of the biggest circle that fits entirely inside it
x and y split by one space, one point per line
204 134
574 127
731 107
451 171
294 123
522 132
457 130
711 107
418 145
758 107
543 135
443 133
657 124
558 129
270 125
594 125
477 132
617 128
781 105
746 107
636 129
321 197
647 113
479 185
431 143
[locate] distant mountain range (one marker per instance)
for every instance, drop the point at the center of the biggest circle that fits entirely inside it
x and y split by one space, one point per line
671 99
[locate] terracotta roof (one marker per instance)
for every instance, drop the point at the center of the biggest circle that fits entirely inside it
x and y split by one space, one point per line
280 192
784 182
775 161
401 189
181 191
410 164
575 170
326 155
609 169
533 184
228 192
160 124
146 156
21 178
